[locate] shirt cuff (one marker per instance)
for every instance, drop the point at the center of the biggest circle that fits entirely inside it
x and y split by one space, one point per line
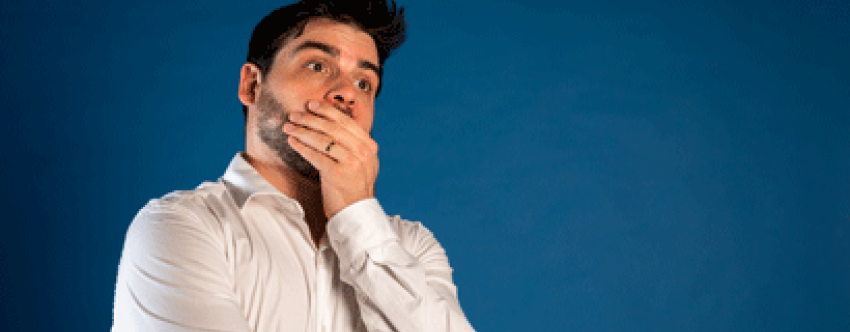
358 227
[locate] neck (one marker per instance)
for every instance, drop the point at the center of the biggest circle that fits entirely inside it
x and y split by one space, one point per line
306 192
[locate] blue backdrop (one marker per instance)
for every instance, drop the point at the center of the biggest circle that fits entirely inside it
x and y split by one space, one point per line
588 166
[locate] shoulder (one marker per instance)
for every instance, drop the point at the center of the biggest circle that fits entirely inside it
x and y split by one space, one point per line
209 199
174 265
196 214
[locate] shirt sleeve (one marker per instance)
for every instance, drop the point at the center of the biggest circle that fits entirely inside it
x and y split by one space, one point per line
173 275
397 289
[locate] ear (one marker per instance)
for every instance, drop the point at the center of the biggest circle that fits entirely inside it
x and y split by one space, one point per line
249 80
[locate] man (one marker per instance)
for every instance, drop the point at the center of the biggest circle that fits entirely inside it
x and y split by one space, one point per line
291 238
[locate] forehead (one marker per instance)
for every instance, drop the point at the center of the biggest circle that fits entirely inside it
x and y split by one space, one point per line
351 41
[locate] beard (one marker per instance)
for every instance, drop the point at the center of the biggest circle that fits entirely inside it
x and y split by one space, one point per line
272 116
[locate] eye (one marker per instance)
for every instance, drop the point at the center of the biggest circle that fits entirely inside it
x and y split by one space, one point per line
364 85
316 66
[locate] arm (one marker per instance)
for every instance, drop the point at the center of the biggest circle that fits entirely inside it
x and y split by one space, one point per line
397 289
173 275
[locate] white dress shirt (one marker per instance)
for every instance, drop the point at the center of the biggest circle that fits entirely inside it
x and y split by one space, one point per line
236 255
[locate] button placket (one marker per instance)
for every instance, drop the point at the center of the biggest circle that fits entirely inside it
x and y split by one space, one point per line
323 285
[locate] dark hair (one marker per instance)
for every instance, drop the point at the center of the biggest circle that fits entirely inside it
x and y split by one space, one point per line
381 20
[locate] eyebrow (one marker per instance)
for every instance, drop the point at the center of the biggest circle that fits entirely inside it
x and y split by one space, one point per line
334 52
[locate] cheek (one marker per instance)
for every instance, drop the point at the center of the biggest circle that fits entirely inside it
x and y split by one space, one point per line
303 86
299 78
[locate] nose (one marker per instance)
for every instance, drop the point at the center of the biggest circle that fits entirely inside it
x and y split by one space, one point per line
342 95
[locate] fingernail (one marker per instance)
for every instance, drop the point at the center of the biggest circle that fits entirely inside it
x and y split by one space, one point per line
313 105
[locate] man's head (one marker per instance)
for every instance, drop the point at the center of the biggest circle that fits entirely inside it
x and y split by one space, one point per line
383 22
315 51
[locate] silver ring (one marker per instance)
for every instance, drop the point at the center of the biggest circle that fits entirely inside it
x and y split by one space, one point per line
328 149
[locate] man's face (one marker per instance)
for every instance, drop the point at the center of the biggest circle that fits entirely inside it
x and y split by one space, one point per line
330 62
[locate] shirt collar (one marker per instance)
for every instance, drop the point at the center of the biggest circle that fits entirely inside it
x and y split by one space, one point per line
244 183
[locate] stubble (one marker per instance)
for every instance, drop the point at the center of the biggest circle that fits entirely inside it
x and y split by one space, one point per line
272 116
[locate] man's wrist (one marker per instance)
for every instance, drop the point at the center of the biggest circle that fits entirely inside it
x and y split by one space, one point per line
358 227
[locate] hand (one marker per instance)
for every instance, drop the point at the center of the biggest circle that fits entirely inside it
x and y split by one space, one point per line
349 169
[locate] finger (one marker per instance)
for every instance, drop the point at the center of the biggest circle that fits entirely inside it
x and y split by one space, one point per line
362 146
308 129
321 161
316 140
333 130
354 147
331 113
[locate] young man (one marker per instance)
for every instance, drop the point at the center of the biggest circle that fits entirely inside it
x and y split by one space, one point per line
291 238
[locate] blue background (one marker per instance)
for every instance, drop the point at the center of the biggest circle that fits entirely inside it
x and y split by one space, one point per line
588 166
